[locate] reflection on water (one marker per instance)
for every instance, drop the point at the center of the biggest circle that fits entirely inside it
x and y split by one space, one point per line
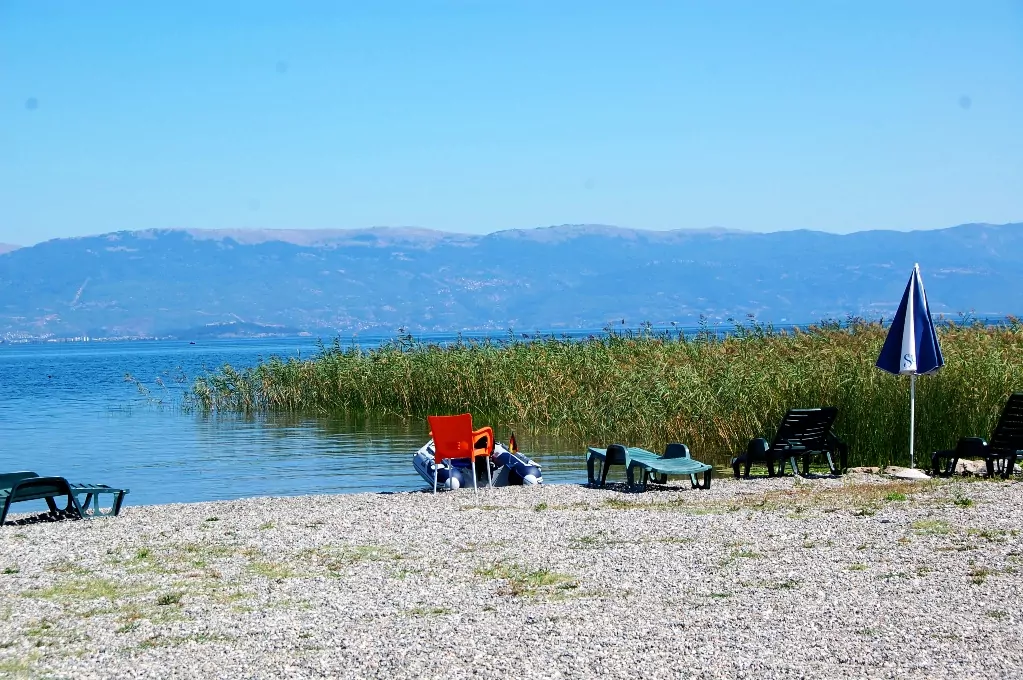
66 410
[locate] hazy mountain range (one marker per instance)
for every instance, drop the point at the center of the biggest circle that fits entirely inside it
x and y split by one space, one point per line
188 283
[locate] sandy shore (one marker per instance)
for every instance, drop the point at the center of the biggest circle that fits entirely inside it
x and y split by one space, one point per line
783 578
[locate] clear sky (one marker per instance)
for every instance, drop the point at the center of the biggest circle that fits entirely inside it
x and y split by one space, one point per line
479 115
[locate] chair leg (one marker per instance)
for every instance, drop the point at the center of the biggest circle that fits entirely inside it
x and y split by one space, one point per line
472 471
1010 463
435 479
590 460
490 474
795 468
603 472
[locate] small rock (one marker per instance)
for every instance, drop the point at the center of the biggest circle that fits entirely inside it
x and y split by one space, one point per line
905 473
866 470
971 468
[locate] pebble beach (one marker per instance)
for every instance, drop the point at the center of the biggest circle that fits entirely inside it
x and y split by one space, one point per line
859 577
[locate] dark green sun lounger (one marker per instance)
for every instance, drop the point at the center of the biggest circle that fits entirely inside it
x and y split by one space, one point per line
676 461
16 487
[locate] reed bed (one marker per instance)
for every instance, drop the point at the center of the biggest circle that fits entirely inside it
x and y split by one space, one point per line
713 391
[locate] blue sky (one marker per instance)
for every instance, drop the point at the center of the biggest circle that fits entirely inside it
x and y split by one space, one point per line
479 115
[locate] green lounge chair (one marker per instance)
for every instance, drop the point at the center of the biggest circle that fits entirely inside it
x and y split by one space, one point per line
16 487
1000 454
675 461
803 432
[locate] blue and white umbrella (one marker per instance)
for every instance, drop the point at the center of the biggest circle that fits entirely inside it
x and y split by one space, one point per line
911 347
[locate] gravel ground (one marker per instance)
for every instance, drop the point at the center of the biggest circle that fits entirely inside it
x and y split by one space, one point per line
857 577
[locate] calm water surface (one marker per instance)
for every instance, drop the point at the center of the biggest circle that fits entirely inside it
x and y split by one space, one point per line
66 409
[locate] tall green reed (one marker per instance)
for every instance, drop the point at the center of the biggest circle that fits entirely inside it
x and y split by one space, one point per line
646 388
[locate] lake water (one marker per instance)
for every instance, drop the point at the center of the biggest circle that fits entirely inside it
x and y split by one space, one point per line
66 409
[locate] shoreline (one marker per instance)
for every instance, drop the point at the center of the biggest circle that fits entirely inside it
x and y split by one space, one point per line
849 577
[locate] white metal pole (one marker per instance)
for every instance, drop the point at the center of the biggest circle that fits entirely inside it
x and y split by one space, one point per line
912 416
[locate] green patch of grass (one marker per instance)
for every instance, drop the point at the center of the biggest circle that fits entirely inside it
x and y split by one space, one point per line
143 554
209 550
979 574
68 567
785 584
996 614
992 535
429 611
857 567
675 540
746 554
336 560
584 542
865 511
169 598
157 641
719 596
935 527
212 519
962 502
23 667
896 496
266 526
86 589
271 570
11 570
522 581
540 507
129 627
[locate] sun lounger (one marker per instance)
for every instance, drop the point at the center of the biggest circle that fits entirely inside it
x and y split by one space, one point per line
1000 454
675 461
16 487
803 433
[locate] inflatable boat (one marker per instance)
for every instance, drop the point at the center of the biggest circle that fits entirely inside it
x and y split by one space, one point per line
509 468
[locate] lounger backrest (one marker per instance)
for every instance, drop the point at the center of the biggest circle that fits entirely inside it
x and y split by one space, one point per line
37 488
9 479
806 427
1008 433
676 451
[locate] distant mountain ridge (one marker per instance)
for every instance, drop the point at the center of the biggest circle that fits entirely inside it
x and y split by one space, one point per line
194 282
7 247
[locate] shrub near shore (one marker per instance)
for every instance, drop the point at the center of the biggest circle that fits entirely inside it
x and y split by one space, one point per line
646 388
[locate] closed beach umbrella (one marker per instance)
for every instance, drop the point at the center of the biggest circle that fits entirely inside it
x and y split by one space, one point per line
911 347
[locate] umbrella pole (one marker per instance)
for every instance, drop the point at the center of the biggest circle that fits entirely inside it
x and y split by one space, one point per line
912 416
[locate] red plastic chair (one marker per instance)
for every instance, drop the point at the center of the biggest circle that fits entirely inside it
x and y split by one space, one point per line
454 439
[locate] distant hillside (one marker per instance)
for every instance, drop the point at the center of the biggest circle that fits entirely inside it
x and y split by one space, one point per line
188 282
7 247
